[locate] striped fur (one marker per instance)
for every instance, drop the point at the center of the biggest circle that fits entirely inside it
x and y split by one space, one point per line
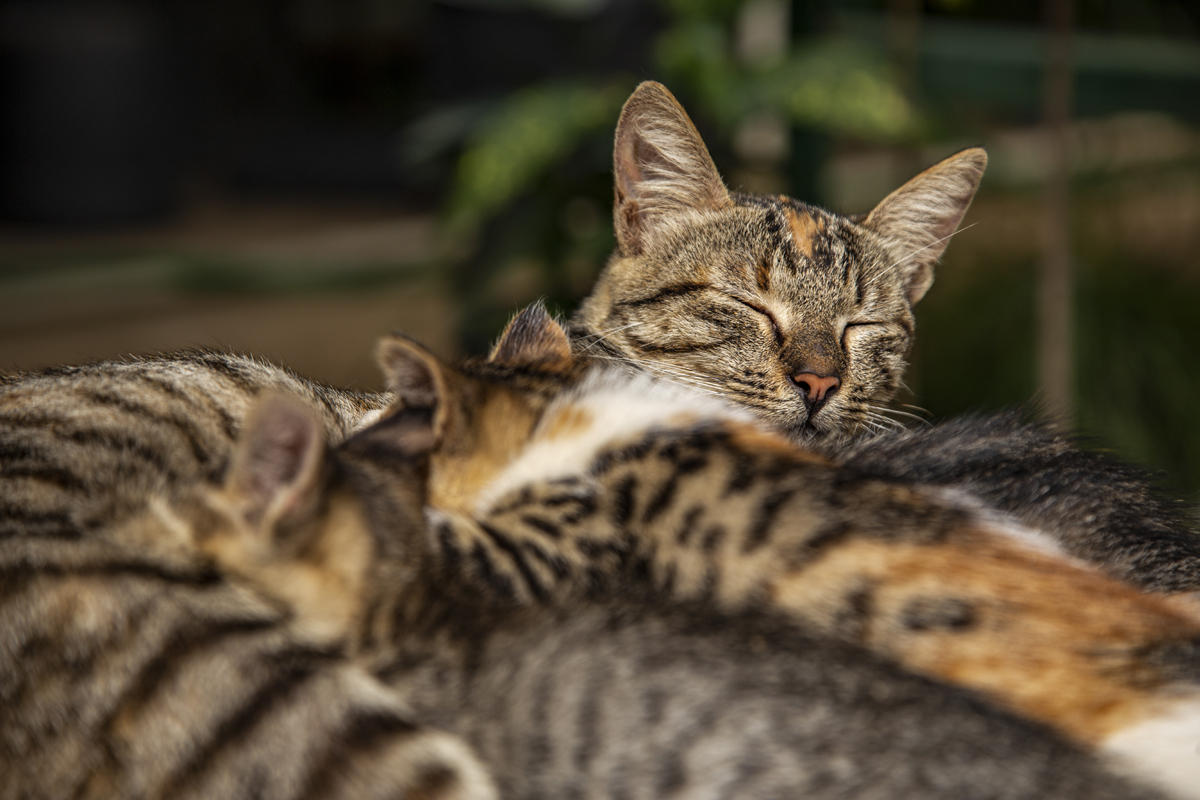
759 299
1094 506
628 696
130 666
621 478
83 446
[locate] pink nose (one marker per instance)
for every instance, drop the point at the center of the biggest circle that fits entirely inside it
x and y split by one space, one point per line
815 387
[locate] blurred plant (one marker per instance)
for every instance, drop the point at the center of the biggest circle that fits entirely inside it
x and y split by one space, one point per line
828 83
523 138
532 164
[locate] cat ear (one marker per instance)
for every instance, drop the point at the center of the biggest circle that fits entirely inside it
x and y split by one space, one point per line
416 376
917 220
277 461
533 338
407 433
661 167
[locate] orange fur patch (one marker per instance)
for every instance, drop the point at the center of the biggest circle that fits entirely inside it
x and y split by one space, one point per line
478 448
567 421
1051 640
805 227
753 439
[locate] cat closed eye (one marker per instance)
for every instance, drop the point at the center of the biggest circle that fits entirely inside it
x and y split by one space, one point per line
864 324
775 329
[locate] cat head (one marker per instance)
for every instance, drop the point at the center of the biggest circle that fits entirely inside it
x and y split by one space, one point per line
482 412
322 530
803 315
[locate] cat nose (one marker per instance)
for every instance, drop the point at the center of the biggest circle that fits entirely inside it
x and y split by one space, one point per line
815 389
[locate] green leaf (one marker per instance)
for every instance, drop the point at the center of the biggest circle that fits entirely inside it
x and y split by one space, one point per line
531 131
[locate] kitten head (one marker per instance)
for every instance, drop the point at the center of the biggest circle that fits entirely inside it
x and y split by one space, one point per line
484 411
321 530
801 314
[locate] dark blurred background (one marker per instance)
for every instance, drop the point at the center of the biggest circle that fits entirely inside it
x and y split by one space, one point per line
295 177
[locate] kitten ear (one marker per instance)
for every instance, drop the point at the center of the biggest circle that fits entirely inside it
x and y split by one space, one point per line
407 434
277 461
917 220
416 376
533 338
661 166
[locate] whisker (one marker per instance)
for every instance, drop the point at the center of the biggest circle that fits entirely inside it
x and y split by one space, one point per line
599 338
906 414
888 270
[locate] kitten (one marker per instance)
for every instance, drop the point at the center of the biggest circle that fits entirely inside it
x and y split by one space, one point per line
804 317
625 696
549 471
131 668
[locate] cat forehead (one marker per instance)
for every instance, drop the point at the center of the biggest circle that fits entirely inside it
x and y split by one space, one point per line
811 236
778 234
776 247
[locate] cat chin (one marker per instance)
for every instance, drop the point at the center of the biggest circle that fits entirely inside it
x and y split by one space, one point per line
1163 751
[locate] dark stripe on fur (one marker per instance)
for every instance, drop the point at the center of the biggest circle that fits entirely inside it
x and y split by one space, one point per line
518 558
665 293
296 669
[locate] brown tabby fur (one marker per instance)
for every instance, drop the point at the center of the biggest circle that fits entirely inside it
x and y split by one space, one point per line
717 510
131 668
621 696
757 297
81 447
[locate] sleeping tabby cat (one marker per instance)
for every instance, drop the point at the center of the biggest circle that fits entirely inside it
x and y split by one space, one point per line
550 471
630 696
131 668
805 317
80 446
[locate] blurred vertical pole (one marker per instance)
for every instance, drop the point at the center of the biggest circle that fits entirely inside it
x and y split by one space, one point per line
1055 373
809 147
904 43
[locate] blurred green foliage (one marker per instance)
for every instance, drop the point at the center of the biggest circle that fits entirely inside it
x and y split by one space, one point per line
531 157
827 83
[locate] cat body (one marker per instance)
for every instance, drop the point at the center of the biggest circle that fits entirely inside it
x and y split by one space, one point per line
131 668
1095 507
81 447
620 695
616 479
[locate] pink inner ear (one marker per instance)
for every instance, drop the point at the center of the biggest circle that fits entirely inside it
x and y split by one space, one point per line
629 173
280 451
276 456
